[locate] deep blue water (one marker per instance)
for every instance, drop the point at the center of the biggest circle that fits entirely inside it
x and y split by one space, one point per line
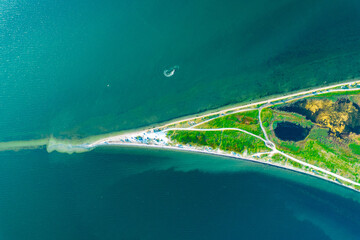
288 131
152 194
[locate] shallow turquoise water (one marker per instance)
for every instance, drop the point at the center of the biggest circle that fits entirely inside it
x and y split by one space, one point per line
78 68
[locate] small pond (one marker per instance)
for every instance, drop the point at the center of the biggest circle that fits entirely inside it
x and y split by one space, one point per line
288 131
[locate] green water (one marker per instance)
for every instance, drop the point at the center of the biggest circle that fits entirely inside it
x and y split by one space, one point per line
76 68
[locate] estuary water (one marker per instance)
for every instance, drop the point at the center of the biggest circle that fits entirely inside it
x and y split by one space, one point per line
74 69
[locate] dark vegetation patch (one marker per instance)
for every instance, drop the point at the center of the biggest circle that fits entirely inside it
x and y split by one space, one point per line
288 131
341 117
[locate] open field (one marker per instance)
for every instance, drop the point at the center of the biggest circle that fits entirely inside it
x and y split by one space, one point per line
230 140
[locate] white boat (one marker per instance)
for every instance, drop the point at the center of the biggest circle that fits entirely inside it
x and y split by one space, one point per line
170 72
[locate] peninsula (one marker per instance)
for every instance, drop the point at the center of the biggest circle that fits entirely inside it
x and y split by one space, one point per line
316 132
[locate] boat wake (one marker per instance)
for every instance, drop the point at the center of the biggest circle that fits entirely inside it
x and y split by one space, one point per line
171 71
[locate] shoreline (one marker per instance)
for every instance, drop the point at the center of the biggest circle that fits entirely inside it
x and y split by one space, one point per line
157 132
157 137
251 103
199 151
213 111
227 108
244 104
26 144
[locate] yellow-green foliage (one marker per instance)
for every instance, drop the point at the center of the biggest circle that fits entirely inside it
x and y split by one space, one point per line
319 148
224 140
279 159
295 164
245 120
266 116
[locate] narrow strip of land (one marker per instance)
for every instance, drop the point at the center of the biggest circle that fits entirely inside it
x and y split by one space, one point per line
159 137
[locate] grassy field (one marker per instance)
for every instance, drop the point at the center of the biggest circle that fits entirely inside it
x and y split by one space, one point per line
245 120
336 94
232 141
355 148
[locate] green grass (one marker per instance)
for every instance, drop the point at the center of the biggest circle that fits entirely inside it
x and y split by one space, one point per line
291 146
278 158
295 164
245 120
355 148
267 116
318 133
331 94
326 154
225 140
280 116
